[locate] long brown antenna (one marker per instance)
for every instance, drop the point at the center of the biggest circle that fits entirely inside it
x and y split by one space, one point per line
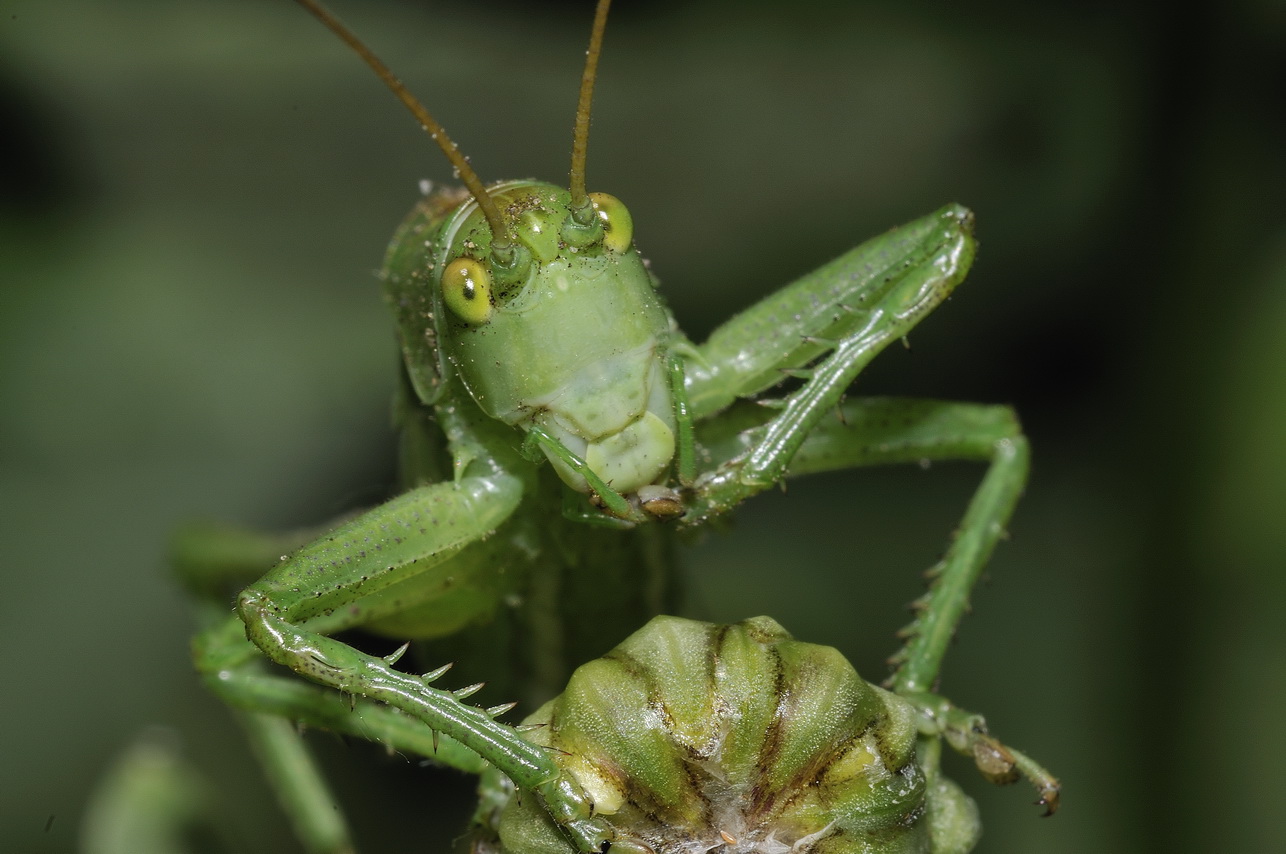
499 233
580 136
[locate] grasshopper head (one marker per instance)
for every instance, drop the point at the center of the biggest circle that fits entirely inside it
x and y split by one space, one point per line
567 336
540 302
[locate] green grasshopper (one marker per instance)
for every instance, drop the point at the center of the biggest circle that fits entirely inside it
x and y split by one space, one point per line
555 423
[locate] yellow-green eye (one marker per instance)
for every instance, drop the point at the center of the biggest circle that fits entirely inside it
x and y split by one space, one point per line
466 287
616 219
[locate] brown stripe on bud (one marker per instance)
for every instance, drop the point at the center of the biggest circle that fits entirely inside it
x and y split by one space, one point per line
691 737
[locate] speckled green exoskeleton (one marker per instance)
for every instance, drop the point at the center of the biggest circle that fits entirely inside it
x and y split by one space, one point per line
556 422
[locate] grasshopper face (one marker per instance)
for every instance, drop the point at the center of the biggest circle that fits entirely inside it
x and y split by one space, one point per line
573 343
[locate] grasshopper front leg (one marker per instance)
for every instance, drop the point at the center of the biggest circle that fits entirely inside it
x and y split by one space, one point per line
369 568
824 329
327 586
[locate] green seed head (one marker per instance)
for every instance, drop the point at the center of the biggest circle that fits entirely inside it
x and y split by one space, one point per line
691 737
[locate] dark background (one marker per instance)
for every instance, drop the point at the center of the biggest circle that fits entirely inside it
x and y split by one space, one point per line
196 196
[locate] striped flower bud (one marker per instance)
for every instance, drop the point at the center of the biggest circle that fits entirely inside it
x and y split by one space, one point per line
691 737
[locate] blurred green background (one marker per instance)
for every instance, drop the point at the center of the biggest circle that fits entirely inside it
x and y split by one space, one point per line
196 197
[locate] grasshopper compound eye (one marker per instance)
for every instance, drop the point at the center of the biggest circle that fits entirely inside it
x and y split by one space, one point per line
617 222
466 287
